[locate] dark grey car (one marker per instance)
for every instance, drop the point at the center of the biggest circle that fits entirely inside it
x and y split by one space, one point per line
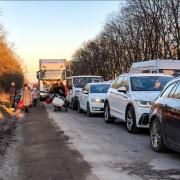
165 118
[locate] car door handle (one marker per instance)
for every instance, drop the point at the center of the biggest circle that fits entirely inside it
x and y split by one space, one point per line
165 106
125 97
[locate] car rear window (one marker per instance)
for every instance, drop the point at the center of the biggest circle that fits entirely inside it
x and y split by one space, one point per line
99 88
80 82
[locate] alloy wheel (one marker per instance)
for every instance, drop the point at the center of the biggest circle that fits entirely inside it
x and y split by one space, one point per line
129 120
88 111
106 113
155 135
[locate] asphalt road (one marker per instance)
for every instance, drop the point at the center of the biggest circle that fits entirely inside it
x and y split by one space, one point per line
112 152
40 151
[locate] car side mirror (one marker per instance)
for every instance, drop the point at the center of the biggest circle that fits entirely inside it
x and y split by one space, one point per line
85 92
122 89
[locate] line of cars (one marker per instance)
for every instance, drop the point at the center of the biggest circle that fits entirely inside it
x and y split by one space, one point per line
141 100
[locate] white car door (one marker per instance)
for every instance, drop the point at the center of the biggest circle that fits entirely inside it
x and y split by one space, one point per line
70 91
118 98
80 99
84 97
111 96
123 97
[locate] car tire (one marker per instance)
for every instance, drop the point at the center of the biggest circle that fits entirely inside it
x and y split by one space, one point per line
131 120
79 108
107 116
55 109
88 112
73 105
156 136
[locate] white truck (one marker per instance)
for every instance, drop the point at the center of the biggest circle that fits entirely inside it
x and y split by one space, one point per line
50 71
169 67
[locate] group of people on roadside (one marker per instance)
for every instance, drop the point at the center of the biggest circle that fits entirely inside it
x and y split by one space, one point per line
60 89
26 96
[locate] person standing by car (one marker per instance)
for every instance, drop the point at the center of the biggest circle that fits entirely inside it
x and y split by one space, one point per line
66 88
26 97
35 95
61 90
12 94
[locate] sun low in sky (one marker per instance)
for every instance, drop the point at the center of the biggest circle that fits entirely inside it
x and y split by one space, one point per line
52 30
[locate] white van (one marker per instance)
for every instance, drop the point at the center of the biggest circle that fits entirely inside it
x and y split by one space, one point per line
75 85
168 67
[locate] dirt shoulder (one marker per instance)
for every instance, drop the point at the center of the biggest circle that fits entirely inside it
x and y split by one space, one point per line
44 152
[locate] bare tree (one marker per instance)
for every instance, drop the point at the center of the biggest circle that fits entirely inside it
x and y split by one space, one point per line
139 31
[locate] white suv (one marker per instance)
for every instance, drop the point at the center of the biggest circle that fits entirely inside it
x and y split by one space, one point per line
130 96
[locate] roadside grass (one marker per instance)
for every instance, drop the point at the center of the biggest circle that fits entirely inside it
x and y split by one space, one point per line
4 99
7 123
4 104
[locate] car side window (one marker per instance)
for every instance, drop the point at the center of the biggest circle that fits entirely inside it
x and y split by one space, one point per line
171 94
146 71
85 88
167 91
69 83
114 83
177 92
126 83
119 82
153 71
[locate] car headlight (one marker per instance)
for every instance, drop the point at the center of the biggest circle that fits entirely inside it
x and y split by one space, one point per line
146 104
97 100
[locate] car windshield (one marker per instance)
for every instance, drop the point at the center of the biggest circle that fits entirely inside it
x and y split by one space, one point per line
99 88
80 82
149 83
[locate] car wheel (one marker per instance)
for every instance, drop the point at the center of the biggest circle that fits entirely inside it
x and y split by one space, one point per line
79 108
156 137
55 109
131 120
107 116
73 105
88 111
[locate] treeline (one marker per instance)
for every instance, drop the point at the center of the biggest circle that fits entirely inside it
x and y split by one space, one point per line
141 30
10 65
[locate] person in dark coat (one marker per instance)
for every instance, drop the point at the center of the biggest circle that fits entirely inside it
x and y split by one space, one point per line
62 90
12 94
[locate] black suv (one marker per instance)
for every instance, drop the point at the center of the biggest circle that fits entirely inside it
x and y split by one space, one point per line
165 118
